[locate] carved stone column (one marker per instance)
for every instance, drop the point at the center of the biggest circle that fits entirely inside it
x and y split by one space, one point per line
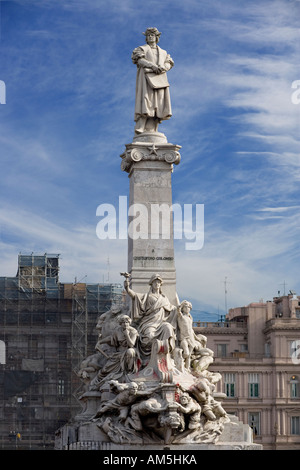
149 161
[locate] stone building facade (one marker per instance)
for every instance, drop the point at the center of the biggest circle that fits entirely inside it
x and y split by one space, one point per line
257 351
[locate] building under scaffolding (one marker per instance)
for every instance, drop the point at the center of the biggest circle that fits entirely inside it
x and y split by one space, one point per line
47 329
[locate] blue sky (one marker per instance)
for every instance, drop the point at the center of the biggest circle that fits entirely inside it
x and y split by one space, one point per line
70 87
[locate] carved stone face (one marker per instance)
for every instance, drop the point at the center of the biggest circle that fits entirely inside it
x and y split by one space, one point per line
184 399
133 388
156 284
125 322
151 38
185 309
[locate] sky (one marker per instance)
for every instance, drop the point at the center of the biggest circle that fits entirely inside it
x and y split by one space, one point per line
67 107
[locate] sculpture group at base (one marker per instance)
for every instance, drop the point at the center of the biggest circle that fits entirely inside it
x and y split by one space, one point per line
150 374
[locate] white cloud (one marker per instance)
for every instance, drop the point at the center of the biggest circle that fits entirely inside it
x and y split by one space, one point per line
278 209
81 251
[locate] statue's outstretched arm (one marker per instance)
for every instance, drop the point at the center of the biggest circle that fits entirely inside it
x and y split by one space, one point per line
129 291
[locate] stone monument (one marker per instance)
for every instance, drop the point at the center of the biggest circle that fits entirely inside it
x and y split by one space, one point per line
148 382
149 162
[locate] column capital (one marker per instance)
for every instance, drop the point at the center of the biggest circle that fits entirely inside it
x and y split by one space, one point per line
149 151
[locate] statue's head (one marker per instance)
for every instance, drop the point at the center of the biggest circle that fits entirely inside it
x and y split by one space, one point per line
185 399
185 306
156 282
155 277
115 309
124 319
133 388
152 31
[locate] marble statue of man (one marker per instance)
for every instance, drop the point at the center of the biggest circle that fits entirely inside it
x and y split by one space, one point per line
152 99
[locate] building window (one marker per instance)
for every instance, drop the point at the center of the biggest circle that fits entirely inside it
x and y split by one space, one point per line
267 349
253 385
294 386
33 346
62 347
254 422
2 353
229 384
61 387
295 425
221 350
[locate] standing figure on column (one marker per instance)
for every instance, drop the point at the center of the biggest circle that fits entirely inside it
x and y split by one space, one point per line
152 98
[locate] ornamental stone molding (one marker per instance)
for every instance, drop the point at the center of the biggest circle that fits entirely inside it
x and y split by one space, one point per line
281 327
150 152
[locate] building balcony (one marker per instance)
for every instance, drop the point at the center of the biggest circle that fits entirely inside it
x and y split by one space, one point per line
280 323
238 356
220 324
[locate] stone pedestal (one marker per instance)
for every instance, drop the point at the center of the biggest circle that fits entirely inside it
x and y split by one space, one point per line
88 436
90 402
149 162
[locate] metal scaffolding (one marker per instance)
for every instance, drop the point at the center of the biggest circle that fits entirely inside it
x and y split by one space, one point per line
47 329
